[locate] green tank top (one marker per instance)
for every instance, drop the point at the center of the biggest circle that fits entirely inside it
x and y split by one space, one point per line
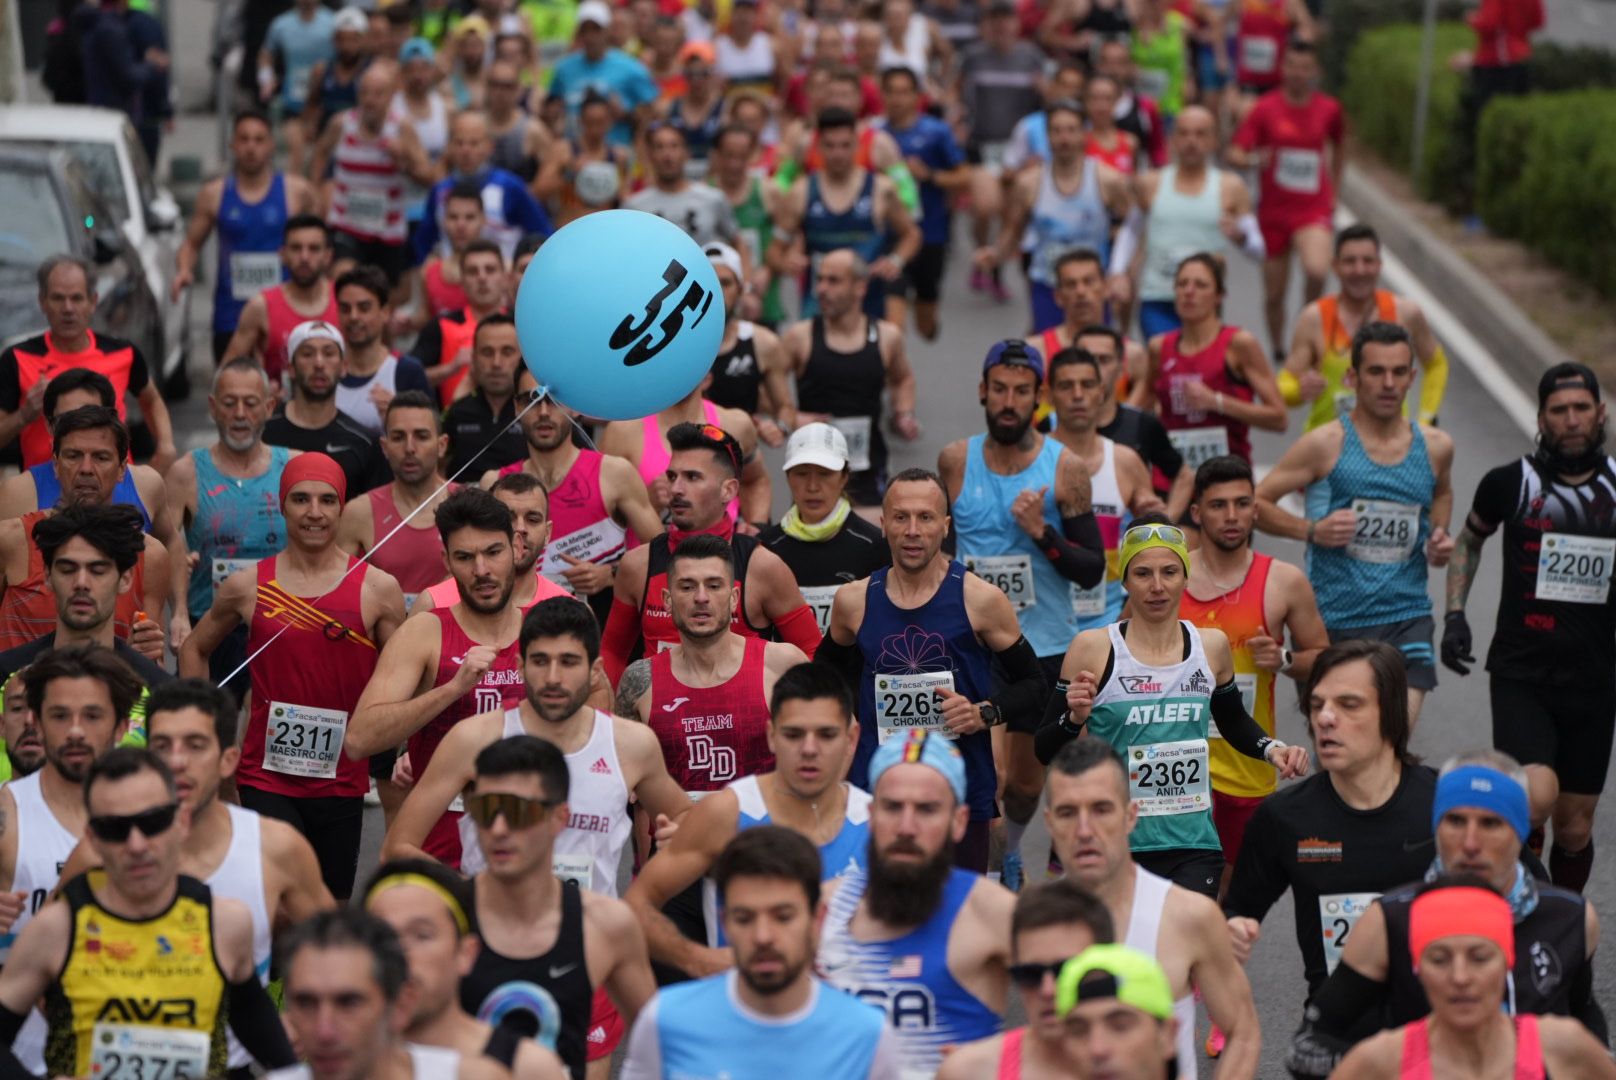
757 229
1161 62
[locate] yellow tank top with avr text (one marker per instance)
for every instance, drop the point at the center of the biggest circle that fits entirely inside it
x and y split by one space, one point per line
138 997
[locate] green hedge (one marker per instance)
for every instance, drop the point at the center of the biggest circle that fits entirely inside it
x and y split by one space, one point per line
1382 81
1350 19
1546 169
1571 67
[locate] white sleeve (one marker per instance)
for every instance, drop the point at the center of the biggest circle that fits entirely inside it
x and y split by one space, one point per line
885 1065
644 1058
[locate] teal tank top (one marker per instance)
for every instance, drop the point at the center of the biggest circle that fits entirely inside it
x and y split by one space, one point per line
237 522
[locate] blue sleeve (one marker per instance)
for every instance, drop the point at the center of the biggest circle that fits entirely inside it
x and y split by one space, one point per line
948 149
410 375
426 234
524 210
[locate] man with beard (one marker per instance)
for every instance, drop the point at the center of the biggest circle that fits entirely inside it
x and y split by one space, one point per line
919 640
913 933
482 429
311 421
1090 814
262 863
374 372
270 317
529 507
446 345
1255 621
19 731
89 554
1379 499
594 500
1136 429
811 733
455 662
1554 649
770 1016
1023 521
700 210
80 698
1052 923
316 618
224 497
704 472
393 522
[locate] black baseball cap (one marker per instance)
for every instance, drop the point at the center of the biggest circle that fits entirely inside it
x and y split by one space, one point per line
1566 376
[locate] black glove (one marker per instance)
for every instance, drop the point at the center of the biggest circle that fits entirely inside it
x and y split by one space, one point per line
1457 643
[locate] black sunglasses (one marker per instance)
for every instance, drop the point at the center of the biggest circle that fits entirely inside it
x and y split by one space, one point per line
519 813
115 828
1031 976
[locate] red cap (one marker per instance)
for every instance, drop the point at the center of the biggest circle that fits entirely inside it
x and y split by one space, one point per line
314 466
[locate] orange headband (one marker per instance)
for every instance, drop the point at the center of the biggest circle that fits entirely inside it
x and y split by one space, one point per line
1460 911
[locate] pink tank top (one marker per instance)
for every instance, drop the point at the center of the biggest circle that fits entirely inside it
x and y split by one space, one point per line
413 554
1010 1055
581 526
1416 1063
441 296
655 455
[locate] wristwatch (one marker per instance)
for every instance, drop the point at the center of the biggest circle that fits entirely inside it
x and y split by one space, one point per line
990 714
1287 659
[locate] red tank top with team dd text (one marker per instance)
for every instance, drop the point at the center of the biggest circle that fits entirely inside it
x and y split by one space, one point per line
282 318
28 607
656 621
712 735
305 685
413 554
1200 435
500 688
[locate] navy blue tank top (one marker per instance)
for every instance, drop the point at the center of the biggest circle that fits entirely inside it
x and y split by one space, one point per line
48 491
825 230
249 249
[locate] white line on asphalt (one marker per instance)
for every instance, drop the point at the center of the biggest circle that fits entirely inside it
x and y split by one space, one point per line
1478 359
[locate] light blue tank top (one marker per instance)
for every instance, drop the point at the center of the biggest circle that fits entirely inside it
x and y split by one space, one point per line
992 545
702 1031
1179 226
1380 577
908 976
48 491
236 522
1062 223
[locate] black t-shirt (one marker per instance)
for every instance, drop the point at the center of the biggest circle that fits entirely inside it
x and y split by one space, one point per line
347 442
1144 433
471 425
857 550
1556 642
1304 838
14 660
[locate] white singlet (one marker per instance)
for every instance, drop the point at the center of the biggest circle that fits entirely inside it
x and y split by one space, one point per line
43 845
1144 927
241 877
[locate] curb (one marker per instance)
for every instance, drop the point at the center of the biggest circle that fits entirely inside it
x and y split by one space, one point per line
1522 349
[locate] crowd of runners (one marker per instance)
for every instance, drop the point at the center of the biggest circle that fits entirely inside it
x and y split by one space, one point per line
673 780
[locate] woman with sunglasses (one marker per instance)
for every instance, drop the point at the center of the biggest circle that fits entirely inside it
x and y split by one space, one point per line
1462 937
1151 686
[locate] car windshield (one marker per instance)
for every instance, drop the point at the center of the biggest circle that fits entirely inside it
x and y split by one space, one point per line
100 161
31 223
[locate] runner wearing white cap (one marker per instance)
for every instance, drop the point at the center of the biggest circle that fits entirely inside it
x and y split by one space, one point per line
749 372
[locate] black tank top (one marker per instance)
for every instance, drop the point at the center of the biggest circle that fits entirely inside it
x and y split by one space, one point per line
1550 954
553 987
858 550
847 384
736 375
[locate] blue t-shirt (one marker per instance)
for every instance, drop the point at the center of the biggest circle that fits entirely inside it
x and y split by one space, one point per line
299 45
509 212
932 141
615 73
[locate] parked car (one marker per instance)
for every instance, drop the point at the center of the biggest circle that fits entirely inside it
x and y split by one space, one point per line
105 145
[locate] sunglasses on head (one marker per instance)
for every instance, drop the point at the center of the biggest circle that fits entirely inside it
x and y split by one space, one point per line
115 828
519 813
1140 533
1031 976
726 441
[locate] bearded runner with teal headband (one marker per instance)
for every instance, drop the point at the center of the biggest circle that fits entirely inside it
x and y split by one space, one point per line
1152 686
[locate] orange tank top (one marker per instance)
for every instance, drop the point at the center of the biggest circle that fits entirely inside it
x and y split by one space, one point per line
28 607
1336 338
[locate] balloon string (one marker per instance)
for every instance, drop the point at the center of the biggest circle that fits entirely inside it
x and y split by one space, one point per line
537 396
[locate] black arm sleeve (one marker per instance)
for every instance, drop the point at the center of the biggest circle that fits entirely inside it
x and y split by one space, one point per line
256 1023
1584 1006
1056 730
1235 724
1321 1041
10 1067
1159 448
846 660
1021 701
1077 551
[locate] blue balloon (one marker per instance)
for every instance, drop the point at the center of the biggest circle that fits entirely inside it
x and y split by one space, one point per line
620 314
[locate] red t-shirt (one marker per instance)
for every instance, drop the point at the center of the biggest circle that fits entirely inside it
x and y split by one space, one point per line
38 359
1296 179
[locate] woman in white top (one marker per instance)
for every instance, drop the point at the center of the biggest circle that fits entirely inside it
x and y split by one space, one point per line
745 53
911 40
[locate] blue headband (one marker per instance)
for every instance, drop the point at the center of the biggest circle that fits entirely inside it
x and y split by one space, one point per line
1484 787
921 748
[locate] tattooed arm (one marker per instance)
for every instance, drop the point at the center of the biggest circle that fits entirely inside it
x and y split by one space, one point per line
1462 569
631 687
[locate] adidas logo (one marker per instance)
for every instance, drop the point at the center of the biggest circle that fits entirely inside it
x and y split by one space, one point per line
600 767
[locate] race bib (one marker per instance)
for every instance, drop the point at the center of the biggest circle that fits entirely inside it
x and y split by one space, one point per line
820 598
993 157
300 740
1011 573
366 210
856 430
588 545
223 568
251 272
1152 83
1297 170
1575 569
1247 685
1386 532
906 702
1259 55
138 1052
573 867
297 83
1338 914
1200 445
1169 778
1088 603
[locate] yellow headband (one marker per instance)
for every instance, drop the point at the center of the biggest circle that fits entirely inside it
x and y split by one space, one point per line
392 881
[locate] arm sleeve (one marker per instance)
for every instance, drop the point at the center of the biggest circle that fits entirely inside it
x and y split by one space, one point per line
1319 1044
429 346
622 631
1127 242
1163 454
256 1023
799 627
904 180
1021 701
1056 730
529 213
1433 384
1289 388
1259 878
1077 551
1235 723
